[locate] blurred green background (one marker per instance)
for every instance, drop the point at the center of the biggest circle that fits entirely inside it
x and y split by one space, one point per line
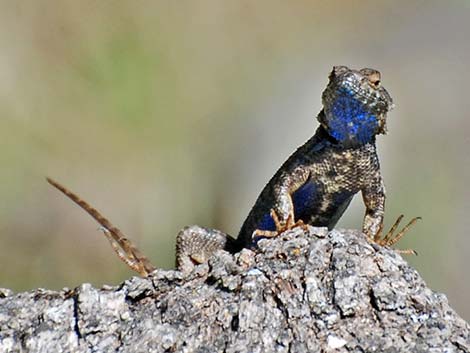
168 113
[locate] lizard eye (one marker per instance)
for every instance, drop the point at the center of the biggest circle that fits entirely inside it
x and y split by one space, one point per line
374 78
375 83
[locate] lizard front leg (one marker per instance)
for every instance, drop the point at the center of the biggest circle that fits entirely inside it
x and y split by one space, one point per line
374 200
282 212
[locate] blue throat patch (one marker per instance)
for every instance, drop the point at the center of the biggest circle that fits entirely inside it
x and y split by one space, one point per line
350 121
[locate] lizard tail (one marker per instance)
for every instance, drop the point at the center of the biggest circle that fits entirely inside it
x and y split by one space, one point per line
123 247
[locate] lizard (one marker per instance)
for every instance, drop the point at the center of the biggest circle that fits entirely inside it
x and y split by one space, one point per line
314 186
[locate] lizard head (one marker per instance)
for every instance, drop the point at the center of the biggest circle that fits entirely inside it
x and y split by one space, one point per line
355 105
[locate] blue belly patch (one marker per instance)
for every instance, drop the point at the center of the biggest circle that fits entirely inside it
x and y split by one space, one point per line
305 201
267 223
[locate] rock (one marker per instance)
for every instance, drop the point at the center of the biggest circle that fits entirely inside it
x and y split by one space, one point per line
305 291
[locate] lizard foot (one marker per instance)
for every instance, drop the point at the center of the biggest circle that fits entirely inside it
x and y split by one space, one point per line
280 227
391 238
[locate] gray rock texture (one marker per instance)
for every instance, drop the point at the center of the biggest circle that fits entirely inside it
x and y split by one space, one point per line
305 291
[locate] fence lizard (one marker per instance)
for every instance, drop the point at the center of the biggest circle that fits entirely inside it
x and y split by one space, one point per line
314 186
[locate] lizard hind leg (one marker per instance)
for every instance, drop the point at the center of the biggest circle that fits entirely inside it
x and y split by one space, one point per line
195 245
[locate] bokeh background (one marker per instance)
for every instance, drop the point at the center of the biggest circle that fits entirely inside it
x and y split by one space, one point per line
168 113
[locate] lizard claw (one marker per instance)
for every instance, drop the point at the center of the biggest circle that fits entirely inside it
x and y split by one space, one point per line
280 227
391 238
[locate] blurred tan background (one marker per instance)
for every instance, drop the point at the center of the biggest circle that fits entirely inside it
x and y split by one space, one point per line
168 113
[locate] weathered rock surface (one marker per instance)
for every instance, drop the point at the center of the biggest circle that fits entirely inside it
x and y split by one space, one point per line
302 292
